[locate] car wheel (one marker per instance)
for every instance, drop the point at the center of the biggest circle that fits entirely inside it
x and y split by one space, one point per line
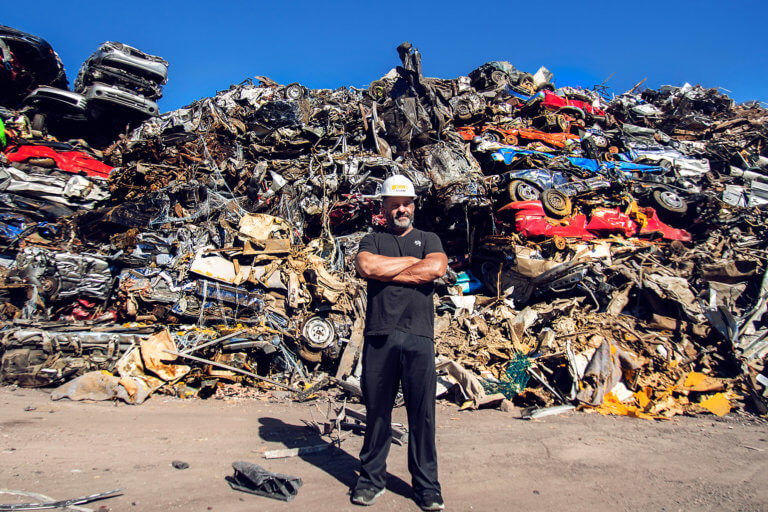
377 90
520 190
49 287
462 111
668 203
492 136
499 78
579 97
572 111
555 203
318 333
294 92
526 83
600 141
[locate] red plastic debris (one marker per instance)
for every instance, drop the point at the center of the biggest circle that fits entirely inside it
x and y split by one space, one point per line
70 161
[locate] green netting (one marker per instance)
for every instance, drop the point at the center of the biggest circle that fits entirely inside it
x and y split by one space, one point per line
513 380
2 134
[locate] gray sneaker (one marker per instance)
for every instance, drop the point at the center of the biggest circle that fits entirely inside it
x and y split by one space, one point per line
366 496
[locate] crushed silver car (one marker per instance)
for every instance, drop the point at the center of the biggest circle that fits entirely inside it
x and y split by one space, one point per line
111 95
122 65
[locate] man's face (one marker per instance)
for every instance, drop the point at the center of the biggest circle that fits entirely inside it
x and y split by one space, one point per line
399 213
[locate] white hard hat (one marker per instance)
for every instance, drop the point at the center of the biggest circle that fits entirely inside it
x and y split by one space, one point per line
397 186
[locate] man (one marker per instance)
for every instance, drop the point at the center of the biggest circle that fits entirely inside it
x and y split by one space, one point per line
400 266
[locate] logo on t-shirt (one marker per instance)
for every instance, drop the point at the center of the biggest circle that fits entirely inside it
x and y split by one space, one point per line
417 242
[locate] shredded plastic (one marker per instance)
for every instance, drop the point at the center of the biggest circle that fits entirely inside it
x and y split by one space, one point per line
513 380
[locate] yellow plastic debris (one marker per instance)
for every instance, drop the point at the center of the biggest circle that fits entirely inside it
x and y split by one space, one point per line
612 405
694 379
643 397
700 383
717 404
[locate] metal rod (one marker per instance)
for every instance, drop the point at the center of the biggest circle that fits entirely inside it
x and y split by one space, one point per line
61 503
232 368
211 342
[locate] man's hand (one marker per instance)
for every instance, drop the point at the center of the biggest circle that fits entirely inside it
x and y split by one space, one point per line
382 268
427 270
402 269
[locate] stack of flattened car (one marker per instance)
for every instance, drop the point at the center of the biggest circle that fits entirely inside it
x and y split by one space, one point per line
27 62
118 74
117 85
606 253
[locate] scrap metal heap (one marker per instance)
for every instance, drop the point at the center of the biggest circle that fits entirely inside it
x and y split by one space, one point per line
604 252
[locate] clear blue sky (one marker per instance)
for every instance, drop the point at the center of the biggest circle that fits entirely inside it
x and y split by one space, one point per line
211 45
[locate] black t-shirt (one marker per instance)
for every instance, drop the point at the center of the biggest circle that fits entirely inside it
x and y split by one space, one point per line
408 308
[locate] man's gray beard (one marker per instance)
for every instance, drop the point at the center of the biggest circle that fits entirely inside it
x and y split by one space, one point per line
407 221
396 226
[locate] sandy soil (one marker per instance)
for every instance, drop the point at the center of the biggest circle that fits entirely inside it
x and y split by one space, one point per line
489 460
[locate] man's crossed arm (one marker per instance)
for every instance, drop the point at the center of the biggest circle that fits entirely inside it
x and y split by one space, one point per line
401 269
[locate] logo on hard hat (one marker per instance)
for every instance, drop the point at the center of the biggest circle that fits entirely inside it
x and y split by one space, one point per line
397 185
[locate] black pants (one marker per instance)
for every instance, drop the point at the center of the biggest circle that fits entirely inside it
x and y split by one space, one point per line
387 360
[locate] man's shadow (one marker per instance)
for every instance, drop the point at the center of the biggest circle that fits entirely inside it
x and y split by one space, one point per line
334 461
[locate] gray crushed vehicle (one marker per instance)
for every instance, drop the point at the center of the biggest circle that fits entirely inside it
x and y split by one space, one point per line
27 61
122 65
52 102
102 97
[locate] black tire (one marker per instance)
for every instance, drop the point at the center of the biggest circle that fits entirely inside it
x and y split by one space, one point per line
526 82
377 90
548 86
499 78
555 203
668 203
49 287
579 97
572 111
492 136
462 111
520 190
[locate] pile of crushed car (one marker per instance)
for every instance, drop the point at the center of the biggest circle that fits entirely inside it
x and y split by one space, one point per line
605 252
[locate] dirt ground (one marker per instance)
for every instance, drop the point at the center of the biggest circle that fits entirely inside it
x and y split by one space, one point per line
489 460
